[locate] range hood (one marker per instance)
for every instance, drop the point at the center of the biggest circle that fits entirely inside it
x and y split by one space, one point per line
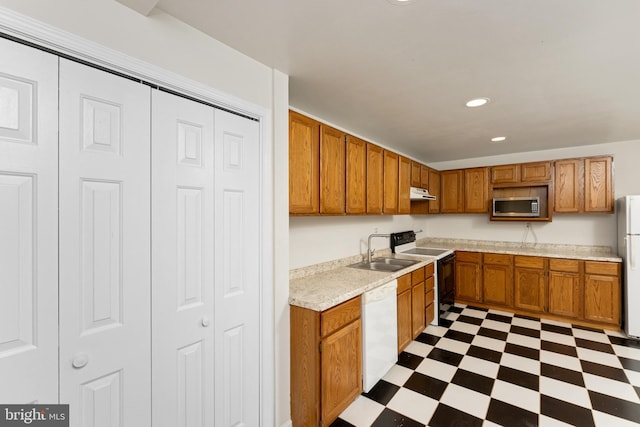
420 194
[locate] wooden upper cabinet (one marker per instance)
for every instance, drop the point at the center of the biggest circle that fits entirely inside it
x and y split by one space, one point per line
434 189
391 168
452 191
521 172
415 174
404 185
332 170
375 179
304 139
424 177
535 172
584 185
568 183
356 197
505 174
598 188
476 190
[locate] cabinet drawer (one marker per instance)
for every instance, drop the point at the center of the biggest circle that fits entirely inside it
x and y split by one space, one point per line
568 265
404 283
428 297
417 276
605 268
529 262
469 256
429 283
336 317
428 270
498 259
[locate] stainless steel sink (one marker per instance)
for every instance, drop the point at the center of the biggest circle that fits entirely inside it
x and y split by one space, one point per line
384 264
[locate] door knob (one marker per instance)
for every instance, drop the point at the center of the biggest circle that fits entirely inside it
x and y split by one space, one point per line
205 321
80 360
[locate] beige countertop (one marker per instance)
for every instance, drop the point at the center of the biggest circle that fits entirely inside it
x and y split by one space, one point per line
586 253
326 289
322 286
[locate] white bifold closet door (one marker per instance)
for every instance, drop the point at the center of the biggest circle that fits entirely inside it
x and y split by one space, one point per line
104 222
182 253
205 240
28 225
237 270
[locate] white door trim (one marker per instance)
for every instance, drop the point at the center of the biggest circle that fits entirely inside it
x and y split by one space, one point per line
40 34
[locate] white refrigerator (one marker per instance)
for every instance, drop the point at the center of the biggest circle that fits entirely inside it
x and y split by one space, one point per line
629 250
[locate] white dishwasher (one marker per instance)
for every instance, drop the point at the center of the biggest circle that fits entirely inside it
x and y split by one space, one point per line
379 333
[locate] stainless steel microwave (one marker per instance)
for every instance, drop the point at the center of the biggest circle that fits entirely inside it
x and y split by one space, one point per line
516 206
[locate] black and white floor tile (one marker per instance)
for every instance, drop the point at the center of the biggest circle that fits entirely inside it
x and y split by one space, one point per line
490 368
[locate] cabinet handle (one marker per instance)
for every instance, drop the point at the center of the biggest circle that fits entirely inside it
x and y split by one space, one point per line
80 360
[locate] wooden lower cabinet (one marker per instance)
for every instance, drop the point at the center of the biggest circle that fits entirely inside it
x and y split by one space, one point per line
468 276
497 279
326 362
430 310
587 292
602 292
405 320
417 309
530 283
565 288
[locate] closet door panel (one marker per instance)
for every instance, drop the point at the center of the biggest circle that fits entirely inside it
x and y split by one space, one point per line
238 155
28 225
182 257
105 339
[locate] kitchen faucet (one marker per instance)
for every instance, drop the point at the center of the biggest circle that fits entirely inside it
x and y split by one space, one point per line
369 251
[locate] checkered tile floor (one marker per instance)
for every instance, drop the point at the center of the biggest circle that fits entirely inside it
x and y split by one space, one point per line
491 368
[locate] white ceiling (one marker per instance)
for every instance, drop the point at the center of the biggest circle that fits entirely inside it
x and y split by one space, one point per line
559 73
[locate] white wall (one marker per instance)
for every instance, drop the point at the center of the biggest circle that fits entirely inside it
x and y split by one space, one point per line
158 39
318 239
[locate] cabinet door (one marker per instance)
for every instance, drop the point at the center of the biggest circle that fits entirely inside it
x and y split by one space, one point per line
390 206
341 370
434 189
497 284
468 280
424 176
452 187
356 175
602 298
332 170
416 178
476 190
417 309
405 323
529 289
565 296
568 185
375 179
304 163
535 172
598 188
505 174
404 186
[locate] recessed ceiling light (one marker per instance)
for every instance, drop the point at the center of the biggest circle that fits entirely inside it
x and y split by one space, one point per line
499 139
399 2
477 102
